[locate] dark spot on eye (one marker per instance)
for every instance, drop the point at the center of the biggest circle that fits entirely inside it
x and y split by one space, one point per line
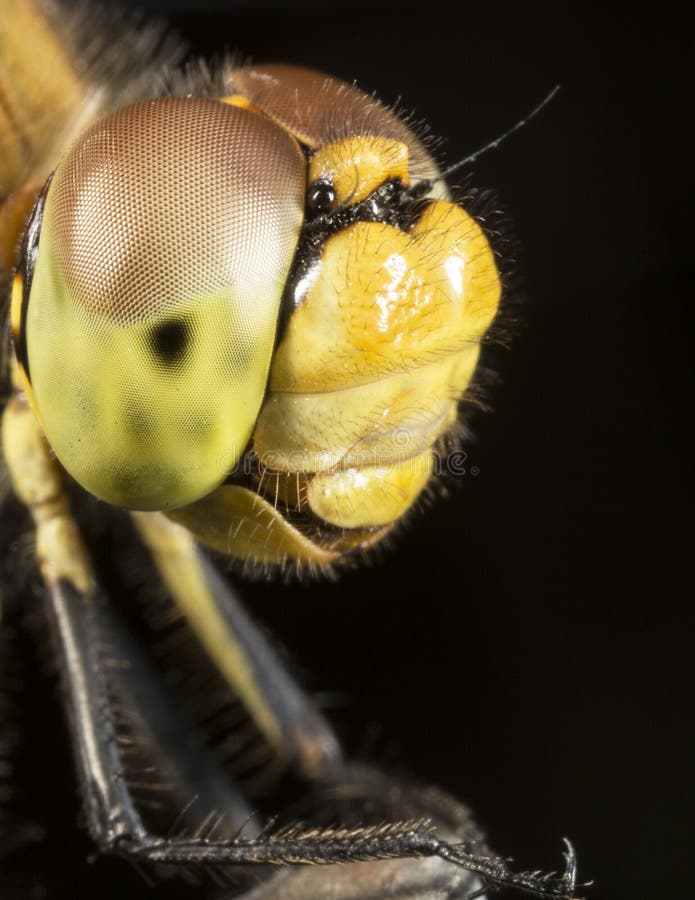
320 197
138 424
169 340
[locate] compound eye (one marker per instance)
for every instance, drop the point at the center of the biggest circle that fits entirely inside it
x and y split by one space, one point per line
168 232
320 109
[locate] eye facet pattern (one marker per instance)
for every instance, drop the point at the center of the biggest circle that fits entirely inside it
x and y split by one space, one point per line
181 318
168 233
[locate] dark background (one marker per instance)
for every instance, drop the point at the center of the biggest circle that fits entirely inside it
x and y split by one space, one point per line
526 643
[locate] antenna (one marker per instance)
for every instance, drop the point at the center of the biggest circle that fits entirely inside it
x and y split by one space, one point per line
423 186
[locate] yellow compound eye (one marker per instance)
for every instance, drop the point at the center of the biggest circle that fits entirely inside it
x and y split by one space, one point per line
167 237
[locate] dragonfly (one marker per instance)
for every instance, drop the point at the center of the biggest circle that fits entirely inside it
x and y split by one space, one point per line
243 309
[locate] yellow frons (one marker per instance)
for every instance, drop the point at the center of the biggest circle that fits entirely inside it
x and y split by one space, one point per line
375 360
385 301
356 166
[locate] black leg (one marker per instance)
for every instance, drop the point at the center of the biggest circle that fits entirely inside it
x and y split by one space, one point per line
82 629
113 697
393 840
108 680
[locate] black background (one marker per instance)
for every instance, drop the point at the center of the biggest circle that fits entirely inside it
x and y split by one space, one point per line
526 642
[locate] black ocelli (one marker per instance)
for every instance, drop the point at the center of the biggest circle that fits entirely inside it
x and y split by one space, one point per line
390 204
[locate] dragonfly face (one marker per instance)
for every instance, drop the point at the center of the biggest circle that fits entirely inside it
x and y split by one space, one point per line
258 300
252 306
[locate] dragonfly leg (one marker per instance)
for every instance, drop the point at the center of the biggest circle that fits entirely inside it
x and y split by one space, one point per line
101 665
282 711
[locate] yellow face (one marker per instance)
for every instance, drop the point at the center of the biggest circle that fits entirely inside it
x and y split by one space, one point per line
261 308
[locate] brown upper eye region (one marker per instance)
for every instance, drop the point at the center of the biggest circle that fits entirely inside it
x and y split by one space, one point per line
170 340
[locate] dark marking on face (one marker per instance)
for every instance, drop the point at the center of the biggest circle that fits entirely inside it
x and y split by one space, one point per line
170 340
